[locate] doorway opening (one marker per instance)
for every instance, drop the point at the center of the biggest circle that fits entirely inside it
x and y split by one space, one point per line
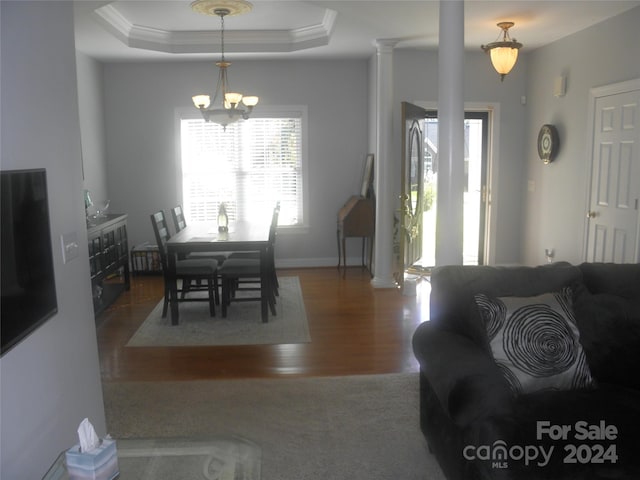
476 135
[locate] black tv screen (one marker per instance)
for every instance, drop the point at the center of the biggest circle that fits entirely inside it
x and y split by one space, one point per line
28 283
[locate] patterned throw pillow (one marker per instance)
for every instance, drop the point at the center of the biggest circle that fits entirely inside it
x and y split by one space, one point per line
535 341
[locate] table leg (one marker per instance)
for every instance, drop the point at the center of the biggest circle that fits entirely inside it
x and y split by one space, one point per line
344 257
127 277
264 286
173 290
370 241
339 249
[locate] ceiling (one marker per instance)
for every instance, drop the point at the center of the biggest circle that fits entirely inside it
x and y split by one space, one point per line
132 30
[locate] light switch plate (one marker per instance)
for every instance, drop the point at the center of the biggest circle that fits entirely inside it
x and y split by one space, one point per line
70 246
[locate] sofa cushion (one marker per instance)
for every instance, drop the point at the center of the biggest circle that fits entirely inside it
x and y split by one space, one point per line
535 341
620 279
610 334
453 288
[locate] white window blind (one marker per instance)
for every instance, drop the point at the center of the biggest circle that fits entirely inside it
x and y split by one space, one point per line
250 167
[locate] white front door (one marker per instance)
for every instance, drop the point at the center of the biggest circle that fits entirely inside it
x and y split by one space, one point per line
613 214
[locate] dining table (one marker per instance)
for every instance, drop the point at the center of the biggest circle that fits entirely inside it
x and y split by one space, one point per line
205 237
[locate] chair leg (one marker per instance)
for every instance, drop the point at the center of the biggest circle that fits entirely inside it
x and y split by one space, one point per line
276 285
225 296
165 304
165 300
271 296
274 279
186 285
272 304
212 297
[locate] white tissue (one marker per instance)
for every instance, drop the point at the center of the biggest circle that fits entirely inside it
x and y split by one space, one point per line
87 436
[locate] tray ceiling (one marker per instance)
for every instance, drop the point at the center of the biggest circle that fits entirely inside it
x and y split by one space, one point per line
165 30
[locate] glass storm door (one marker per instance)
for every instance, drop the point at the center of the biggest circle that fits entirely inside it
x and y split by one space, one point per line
475 188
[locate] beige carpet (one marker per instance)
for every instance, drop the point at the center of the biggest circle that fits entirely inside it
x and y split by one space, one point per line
242 326
355 428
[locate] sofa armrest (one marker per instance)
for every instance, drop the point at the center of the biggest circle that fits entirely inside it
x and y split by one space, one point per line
464 377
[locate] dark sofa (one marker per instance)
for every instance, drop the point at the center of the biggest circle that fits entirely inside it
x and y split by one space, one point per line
480 426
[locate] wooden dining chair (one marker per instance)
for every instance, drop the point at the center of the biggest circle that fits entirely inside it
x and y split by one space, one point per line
187 270
243 273
273 227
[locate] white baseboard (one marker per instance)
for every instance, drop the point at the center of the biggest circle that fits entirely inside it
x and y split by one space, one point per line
315 262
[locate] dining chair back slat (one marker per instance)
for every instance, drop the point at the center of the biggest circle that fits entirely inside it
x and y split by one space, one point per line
178 218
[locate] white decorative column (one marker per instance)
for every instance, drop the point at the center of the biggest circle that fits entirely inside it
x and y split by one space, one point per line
449 223
384 162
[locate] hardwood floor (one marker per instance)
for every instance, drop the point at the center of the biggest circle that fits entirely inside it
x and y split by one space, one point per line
355 329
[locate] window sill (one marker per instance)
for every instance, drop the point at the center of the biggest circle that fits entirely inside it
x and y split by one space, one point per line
293 229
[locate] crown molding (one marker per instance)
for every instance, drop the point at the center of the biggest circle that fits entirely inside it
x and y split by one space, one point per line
239 41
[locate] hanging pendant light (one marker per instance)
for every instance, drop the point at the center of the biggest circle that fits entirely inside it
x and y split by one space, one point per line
504 52
233 106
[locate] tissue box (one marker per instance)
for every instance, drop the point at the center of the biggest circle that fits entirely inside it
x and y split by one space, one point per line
99 464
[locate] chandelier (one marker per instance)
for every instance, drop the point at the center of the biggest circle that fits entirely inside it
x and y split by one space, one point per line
233 106
504 53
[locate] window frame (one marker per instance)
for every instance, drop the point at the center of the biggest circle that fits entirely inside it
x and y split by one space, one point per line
264 111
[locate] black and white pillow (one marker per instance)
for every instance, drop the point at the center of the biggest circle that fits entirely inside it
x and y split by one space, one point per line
535 341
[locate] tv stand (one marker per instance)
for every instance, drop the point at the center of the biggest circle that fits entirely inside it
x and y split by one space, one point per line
108 259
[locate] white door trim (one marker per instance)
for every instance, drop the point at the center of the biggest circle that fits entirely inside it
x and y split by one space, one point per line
594 94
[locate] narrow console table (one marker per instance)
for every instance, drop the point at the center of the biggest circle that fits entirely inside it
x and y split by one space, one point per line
356 218
108 259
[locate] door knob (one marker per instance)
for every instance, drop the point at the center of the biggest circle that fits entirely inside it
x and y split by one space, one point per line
591 214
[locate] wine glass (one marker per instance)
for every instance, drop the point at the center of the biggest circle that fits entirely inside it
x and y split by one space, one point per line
101 208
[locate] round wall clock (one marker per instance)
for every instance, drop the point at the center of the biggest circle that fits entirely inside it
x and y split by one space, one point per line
548 143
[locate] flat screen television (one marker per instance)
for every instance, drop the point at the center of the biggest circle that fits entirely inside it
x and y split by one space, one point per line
28 282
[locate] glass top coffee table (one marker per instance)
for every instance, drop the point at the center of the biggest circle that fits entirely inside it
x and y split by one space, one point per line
225 458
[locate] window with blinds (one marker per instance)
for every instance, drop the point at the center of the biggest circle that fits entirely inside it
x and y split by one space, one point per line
250 167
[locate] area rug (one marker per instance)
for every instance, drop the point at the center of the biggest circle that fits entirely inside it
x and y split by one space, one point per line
242 326
353 427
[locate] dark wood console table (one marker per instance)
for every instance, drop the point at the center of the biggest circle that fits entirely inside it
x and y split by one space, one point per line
356 219
108 259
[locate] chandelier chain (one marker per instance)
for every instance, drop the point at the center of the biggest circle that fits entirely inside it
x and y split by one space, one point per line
222 36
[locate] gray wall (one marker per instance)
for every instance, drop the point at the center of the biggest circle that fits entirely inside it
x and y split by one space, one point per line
50 381
141 137
555 211
92 129
416 81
